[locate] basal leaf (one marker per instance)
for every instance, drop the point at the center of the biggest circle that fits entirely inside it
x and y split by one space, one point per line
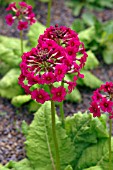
20 100
95 155
9 86
69 167
89 80
84 131
34 33
39 144
91 62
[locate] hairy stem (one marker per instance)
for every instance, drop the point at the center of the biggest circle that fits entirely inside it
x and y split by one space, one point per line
62 110
54 136
21 41
110 134
49 13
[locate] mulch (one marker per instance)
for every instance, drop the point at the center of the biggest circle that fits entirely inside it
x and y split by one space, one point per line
11 137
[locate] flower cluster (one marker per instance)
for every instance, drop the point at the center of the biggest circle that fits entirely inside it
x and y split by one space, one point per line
59 52
102 100
23 14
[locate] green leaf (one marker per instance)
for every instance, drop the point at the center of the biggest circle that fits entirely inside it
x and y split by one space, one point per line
89 18
87 35
40 146
89 80
85 131
24 127
78 25
21 165
9 84
94 168
20 100
35 31
95 155
69 167
91 62
108 53
34 106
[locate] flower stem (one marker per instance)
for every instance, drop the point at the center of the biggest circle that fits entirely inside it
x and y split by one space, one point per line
54 136
62 110
21 41
49 14
110 134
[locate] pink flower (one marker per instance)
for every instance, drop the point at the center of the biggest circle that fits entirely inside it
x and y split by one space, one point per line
9 19
12 7
40 95
48 78
106 105
22 25
23 4
108 87
60 71
58 93
32 18
95 109
97 96
71 86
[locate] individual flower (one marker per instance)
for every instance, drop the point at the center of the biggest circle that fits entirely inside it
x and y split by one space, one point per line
22 25
106 105
40 95
97 96
48 78
58 93
23 14
94 108
60 71
9 19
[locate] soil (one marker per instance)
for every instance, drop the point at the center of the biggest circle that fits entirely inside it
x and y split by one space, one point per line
11 137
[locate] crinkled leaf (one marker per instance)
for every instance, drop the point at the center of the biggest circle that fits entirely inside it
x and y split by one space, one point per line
24 127
9 84
40 146
89 80
85 131
95 155
34 32
20 100
91 62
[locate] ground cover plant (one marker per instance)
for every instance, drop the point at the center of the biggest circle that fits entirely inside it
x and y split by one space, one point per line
49 72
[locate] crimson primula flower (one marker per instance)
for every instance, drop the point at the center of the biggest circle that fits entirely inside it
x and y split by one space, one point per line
49 62
23 14
103 102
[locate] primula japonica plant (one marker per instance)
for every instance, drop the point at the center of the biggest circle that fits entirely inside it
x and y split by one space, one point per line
59 52
102 101
23 14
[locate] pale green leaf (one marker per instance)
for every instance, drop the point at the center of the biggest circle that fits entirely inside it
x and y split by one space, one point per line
40 146
20 100
85 131
95 155
91 61
35 31
89 80
9 86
